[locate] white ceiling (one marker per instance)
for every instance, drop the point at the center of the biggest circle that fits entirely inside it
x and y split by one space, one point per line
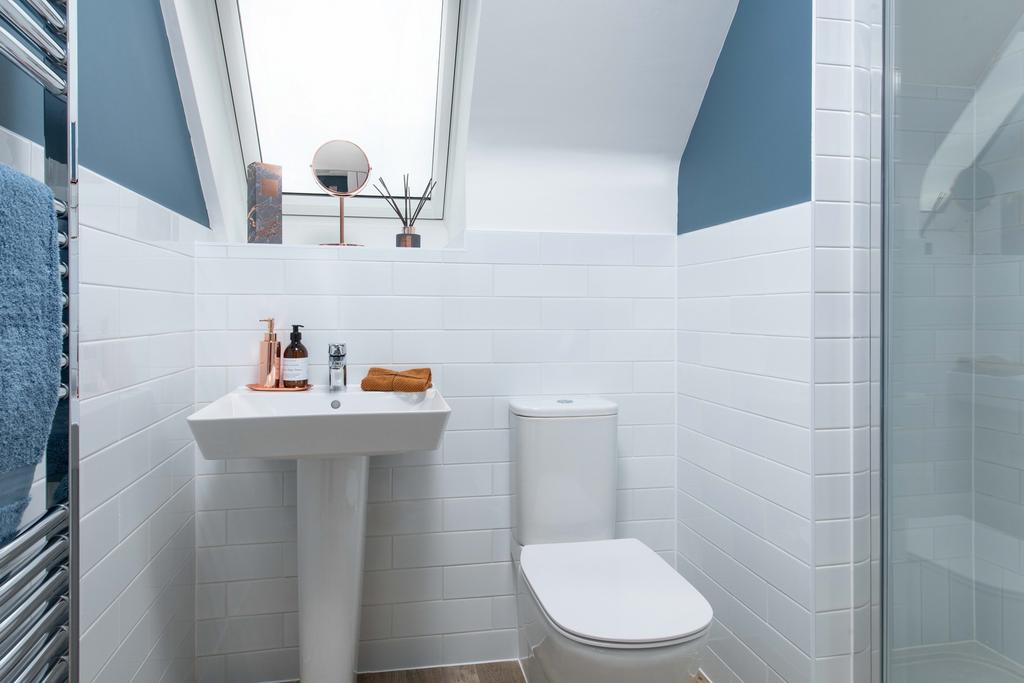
580 110
938 42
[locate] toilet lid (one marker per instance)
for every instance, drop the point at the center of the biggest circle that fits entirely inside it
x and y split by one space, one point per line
616 591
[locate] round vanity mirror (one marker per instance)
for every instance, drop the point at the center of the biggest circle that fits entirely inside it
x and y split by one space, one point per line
341 168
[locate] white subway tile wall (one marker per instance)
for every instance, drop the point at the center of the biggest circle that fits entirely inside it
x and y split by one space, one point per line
933 560
137 486
847 229
137 547
998 406
745 448
512 314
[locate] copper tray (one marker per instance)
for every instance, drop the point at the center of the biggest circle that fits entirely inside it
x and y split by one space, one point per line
260 387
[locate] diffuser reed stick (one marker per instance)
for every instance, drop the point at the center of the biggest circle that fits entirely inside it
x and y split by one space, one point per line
406 212
386 194
405 181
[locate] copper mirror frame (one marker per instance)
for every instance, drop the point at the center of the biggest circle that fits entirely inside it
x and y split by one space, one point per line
341 160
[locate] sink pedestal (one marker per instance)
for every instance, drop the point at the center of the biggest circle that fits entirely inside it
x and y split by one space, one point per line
332 518
332 435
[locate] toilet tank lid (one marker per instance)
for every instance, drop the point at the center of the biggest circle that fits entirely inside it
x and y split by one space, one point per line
562 406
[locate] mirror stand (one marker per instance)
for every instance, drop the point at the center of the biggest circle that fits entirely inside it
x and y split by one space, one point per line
341 169
341 228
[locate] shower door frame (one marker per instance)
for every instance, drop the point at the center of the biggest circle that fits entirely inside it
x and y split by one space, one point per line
888 93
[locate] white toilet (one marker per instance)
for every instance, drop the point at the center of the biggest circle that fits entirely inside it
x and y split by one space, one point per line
591 608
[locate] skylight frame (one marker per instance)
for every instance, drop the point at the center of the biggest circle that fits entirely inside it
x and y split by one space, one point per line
367 204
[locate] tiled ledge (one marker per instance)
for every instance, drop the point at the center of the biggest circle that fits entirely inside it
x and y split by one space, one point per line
535 248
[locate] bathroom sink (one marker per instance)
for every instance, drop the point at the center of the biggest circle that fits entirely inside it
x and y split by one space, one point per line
331 435
319 423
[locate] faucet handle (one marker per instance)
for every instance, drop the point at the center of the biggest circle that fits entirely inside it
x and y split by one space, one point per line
337 350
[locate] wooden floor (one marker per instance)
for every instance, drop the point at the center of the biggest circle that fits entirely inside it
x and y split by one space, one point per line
497 672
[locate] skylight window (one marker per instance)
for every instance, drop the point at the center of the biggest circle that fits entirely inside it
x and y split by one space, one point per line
376 72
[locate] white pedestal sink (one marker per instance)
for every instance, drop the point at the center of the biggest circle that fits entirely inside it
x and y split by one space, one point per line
332 435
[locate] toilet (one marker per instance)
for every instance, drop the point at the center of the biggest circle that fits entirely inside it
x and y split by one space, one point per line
591 608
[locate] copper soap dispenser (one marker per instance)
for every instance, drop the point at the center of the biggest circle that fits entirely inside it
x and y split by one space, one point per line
270 357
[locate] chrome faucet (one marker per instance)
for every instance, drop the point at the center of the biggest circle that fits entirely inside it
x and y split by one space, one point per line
337 367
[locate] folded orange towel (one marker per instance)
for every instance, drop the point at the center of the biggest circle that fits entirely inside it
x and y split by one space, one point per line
382 379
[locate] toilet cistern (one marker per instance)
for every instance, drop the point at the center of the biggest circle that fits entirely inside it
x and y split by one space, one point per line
337 367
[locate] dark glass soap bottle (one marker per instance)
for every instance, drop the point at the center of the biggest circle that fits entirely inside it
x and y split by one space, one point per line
295 362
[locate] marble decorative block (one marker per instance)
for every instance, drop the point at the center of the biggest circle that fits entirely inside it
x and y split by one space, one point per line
264 216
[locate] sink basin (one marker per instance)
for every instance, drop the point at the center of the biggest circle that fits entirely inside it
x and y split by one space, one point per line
332 436
319 423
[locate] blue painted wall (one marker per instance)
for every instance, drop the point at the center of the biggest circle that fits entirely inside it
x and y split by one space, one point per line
133 127
21 102
750 149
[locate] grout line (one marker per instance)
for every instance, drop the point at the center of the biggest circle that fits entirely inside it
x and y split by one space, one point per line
120 287
852 323
752 613
809 565
138 385
151 242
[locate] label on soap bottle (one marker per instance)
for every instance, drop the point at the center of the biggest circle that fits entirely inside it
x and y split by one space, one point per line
294 369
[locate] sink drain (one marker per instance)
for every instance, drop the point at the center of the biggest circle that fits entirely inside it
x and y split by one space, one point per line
335 404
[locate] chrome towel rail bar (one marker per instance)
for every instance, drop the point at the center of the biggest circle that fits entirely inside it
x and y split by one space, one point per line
39 623
54 554
50 13
54 618
48 590
57 644
55 520
59 672
32 64
33 30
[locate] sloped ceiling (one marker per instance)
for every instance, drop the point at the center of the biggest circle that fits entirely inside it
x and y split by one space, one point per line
926 30
580 110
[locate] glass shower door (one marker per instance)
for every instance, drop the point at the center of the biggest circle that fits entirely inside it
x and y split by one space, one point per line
953 381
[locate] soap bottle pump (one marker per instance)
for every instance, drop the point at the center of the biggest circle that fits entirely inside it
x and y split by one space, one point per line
295 364
269 373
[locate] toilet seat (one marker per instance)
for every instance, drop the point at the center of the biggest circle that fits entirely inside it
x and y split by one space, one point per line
614 594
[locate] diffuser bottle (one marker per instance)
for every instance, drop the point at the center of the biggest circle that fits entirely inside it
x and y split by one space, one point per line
295 362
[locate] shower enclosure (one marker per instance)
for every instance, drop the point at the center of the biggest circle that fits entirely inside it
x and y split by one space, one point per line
953 379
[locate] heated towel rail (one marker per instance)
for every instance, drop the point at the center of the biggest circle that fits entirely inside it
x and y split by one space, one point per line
39 567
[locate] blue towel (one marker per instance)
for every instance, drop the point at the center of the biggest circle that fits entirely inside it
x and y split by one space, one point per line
14 487
30 332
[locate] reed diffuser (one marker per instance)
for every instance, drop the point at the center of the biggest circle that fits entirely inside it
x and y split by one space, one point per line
408 237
